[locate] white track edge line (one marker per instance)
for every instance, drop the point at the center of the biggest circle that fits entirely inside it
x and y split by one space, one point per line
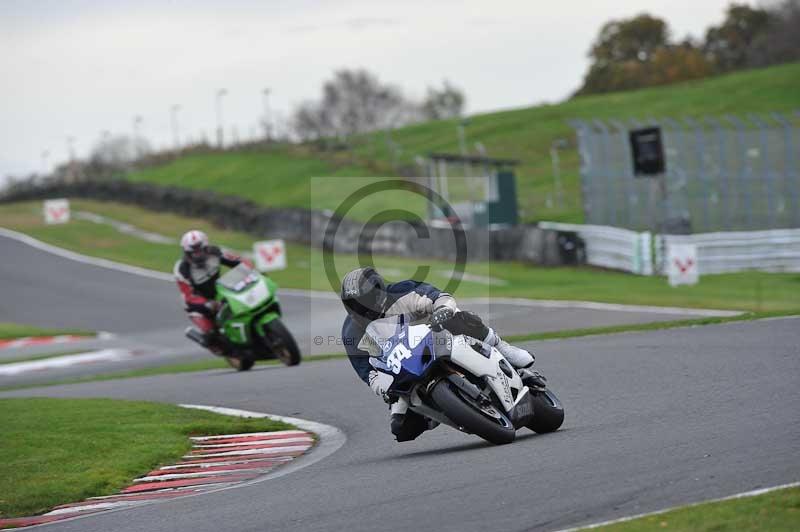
65 361
299 439
246 434
594 305
743 495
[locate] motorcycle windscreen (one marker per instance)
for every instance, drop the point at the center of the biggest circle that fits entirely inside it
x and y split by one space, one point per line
238 278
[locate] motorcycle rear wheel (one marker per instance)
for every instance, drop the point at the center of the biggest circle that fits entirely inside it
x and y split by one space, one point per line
240 364
469 417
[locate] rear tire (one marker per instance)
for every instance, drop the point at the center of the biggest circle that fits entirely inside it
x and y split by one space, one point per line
468 417
548 413
240 364
282 342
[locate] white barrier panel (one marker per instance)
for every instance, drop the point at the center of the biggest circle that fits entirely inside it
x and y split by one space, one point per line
682 264
612 247
270 255
56 211
776 250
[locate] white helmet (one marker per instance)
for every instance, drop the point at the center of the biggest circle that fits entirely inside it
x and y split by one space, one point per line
194 244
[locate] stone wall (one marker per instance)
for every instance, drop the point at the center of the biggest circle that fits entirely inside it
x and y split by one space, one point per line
524 243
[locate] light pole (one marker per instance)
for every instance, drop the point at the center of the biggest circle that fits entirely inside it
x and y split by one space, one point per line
71 152
173 111
71 148
220 133
137 122
45 165
462 142
267 124
558 144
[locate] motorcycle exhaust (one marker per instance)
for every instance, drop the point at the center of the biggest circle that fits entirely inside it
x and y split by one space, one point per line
196 336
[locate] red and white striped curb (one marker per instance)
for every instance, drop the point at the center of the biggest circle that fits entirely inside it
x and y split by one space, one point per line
34 341
213 463
30 341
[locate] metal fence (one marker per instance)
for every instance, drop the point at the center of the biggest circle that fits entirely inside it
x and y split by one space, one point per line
722 174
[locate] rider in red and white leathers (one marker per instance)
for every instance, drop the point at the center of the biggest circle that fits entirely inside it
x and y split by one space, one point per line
196 274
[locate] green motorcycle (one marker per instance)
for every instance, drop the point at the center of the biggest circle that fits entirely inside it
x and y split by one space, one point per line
249 321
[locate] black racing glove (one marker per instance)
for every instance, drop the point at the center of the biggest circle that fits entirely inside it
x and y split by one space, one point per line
439 316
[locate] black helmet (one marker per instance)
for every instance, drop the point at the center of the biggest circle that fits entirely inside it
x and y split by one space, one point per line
364 295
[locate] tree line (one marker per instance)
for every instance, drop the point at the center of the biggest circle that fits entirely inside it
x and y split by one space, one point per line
639 52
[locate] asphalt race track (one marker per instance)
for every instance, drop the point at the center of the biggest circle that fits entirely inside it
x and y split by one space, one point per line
653 420
40 288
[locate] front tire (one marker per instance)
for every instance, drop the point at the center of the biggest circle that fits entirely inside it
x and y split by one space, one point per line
282 343
548 413
469 417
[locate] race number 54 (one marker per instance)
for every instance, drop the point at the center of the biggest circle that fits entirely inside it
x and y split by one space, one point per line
396 357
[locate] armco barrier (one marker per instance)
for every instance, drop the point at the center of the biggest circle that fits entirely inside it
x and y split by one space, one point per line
612 247
528 244
776 250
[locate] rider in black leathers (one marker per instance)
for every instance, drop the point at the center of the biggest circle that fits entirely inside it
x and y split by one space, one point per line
367 297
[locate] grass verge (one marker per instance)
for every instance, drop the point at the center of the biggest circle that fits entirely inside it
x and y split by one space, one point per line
12 331
751 291
776 511
280 176
57 451
655 326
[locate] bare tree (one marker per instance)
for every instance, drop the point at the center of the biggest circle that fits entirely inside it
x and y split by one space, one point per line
118 151
439 104
353 102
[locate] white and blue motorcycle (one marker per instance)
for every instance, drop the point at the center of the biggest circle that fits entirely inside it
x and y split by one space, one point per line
461 382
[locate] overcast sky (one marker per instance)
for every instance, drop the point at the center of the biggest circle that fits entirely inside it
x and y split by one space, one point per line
74 68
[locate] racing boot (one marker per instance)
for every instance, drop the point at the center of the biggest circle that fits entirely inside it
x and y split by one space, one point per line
407 426
519 358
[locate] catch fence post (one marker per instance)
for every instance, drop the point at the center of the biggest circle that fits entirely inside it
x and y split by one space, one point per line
584 151
724 180
626 174
702 177
791 177
744 171
766 174
610 208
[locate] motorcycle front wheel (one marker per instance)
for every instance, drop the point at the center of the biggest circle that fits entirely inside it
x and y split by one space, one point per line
282 343
548 412
469 416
